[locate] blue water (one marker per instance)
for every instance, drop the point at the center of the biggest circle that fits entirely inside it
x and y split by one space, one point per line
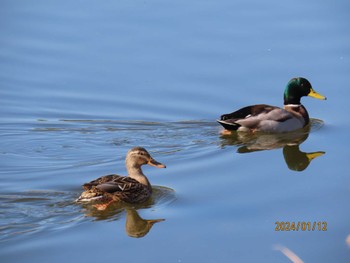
82 82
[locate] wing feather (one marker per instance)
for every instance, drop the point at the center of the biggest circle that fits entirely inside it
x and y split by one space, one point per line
260 117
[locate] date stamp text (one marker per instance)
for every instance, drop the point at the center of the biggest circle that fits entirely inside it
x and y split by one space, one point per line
301 226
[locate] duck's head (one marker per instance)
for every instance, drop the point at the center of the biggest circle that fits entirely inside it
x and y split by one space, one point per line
297 88
139 156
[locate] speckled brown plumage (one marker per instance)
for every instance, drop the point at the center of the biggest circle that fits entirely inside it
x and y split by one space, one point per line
119 188
134 188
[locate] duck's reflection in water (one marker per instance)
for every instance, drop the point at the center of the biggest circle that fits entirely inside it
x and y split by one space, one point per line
135 225
295 159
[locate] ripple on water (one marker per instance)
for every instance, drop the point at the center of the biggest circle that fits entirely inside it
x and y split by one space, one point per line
31 212
316 124
160 137
65 145
27 212
34 211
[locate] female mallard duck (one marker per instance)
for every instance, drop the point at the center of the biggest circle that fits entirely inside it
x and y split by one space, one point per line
268 118
134 188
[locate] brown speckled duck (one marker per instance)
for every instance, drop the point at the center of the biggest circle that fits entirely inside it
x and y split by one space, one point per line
271 119
134 188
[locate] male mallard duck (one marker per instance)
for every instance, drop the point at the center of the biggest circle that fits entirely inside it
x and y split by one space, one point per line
134 188
268 118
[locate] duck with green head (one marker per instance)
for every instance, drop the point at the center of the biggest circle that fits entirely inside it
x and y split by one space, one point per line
266 118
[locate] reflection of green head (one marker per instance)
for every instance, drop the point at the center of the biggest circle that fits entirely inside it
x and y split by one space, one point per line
298 160
297 88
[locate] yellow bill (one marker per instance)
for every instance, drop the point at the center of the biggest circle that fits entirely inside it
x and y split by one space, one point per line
316 95
314 155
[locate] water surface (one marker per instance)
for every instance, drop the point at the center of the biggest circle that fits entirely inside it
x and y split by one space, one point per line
83 82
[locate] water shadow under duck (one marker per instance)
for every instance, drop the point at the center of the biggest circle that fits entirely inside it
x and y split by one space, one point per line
295 159
135 225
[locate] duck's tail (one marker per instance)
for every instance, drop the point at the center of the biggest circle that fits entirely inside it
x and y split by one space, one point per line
231 126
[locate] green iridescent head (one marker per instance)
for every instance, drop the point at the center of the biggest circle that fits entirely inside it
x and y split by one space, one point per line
297 88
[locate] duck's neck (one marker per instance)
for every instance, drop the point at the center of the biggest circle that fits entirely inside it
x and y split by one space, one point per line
136 173
291 100
292 105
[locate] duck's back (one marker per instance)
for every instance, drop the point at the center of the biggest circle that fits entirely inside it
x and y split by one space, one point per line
120 188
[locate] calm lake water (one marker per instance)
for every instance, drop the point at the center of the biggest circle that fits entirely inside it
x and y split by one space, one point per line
81 82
